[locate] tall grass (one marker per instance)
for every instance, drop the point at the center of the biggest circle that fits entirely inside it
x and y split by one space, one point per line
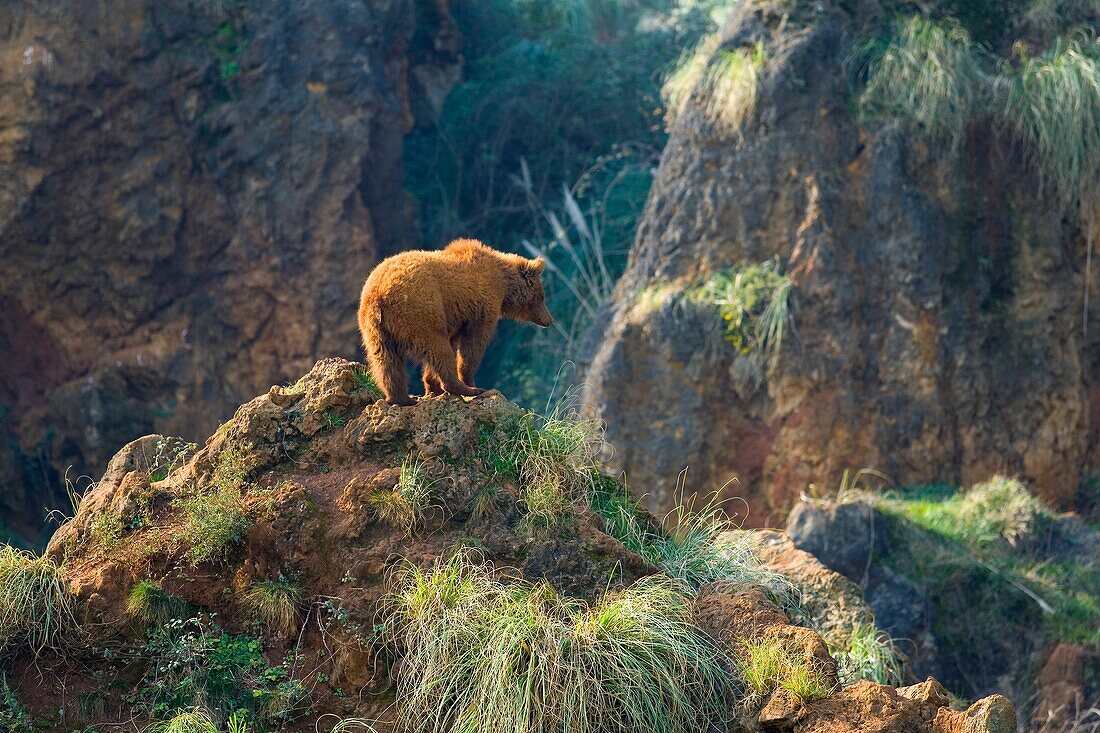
868 655
771 663
511 657
554 458
928 71
723 82
696 545
199 721
275 602
36 607
1052 104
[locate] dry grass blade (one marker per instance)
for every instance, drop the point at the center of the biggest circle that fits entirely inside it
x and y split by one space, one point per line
36 607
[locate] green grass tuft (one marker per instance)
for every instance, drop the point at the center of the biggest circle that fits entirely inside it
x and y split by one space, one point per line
773 663
199 721
364 382
928 71
983 515
1052 104
723 82
275 602
554 459
36 607
406 505
334 420
696 546
149 603
868 655
511 657
754 306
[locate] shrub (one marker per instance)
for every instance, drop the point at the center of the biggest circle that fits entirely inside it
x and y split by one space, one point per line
214 520
193 662
364 382
777 663
927 71
275 602
868 655
36 607
511 656
149 603
754 306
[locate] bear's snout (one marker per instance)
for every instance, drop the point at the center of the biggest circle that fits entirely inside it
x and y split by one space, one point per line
543 318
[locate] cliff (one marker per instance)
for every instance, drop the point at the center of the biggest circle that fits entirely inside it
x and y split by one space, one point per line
192 194
932 287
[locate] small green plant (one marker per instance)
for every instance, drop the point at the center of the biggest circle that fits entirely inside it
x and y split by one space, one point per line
36 607
868 655
212 523
150 604
517 657
14 717
275 602
193 663
754 306
334 420
928 71
405 506
778 663
722 81
364 382
214 520
106 529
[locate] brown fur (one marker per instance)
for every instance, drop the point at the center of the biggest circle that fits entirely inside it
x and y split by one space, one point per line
440 309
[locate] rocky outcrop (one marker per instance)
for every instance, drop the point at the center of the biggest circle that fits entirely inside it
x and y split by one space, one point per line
319 471
936 326
191 194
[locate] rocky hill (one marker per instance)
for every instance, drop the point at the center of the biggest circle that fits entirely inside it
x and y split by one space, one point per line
848 262
328 562
175 180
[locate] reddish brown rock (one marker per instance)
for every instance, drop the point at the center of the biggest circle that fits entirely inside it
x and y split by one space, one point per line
927 340
191 195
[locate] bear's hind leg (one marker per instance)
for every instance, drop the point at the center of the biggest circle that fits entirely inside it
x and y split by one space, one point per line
433 385
438 355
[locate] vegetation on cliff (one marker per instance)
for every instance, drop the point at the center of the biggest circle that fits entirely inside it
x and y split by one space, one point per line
530 593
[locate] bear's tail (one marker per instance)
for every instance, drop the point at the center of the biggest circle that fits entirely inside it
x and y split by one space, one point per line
387 364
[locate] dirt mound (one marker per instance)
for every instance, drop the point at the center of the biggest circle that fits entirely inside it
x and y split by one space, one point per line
259 570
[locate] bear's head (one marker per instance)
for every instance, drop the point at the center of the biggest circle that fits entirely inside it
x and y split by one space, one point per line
524 299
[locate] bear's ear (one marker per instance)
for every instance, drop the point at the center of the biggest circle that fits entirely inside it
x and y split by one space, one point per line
536 265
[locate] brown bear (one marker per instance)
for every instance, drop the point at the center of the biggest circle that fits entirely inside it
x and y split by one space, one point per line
430 306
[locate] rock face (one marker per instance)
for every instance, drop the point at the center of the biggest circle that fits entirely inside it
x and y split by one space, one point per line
936 306
191 194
